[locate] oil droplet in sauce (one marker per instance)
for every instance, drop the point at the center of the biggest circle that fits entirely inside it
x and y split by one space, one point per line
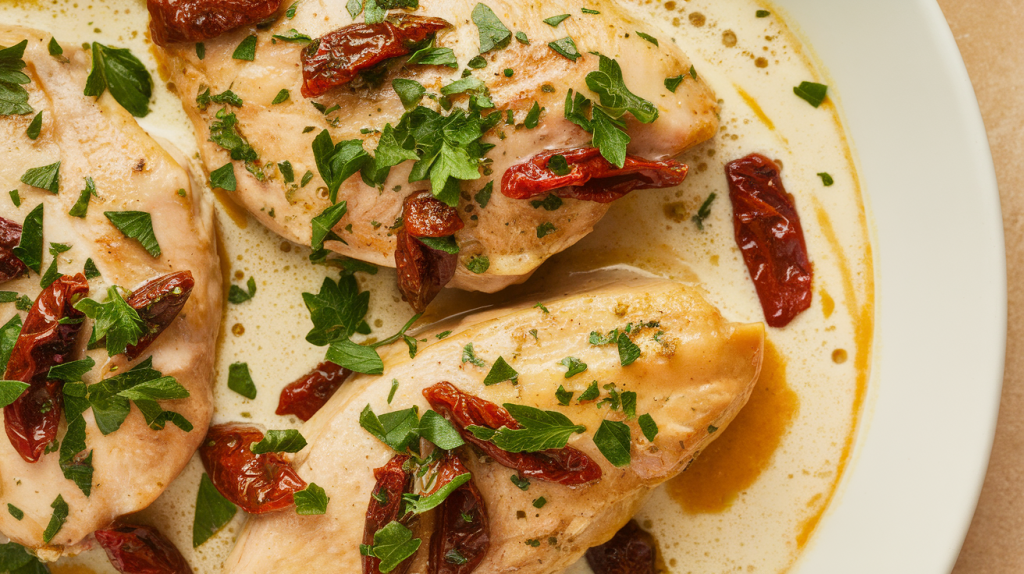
839 356
734 461
828 305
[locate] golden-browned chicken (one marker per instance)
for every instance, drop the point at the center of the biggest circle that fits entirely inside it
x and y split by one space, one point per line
635 377
96 204
260 95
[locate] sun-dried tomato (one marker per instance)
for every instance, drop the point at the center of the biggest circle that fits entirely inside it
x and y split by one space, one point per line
630 551
32 419
10 237
158 303
337 57
257 483
590 177
461 530
769 235
426 216
304 397
198 20
422 270
385 505
134 549
566 466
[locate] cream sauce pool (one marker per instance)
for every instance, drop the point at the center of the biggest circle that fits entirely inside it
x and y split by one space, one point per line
752 500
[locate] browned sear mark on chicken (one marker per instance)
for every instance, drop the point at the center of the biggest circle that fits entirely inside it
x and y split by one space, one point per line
198 20
337 57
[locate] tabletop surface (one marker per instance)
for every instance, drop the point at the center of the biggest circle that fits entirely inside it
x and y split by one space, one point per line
988 34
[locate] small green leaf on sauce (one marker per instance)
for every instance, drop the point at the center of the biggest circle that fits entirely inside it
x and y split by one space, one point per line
811 92
826 179
240 380
213 511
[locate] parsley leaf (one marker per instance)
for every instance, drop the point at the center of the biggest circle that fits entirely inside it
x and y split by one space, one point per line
311 500
224 177
30 248
552 202
648 37
612 439
118 70
8 336
240 380
522 38
224 132
648 426
337 311
826 179
355 357
137 225
439 431
446 244
555 20
324 223
13 97
281 97
811 92
566 47
545 229
90 270
81 207
72 371
337 162
564 397
521 483
532 116
469 356
628 403
672 84
483 197
500 372
589 11
703 212
113 320
143 385
541 430
421 504
57 519
45 177
10 391
628 350
410 92
398 429
18 514
246 49
591 393
35 126
610 137
608 84
431 56
762 13
213 512
200 50
493 34
238 296
204 99
574 366
293 35
392 544
15 197
287 440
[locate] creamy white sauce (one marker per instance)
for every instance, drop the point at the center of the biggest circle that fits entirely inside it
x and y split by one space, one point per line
759 531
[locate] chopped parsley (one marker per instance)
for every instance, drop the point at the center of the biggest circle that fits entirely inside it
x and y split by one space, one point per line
213 512
500 372
469 356
493 34
762 13
227 97
81 207
478 264
648 37
483 197
540 430
826 179
137 225
671 84
311 500
566 48
237 295
521 483
30 248
590 394
44 177
564 397
13 97
246 49
114 321
240 380
287 440
10 391
224 177
281 97
533 116
118 70
704 212
613 440
392 545
555 20
545 229
648 427
550 203
522 38
573 365
811 92
35 126
57 519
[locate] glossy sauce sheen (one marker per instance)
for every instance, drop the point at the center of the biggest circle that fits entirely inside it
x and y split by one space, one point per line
793 441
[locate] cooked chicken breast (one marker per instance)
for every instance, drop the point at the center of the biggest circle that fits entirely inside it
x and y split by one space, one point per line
98 139
509 232
694 373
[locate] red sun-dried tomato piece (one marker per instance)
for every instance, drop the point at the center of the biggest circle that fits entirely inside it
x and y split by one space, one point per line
590 177
10 237
630 551
385 505
769 235
423 215
567 466
422 270
32 420
198 20
304 397
158 303
257 483
458 545
337 57
134 549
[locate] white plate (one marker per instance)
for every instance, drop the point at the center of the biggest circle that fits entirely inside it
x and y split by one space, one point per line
941 305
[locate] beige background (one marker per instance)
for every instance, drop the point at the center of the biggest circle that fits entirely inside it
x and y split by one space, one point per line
990 34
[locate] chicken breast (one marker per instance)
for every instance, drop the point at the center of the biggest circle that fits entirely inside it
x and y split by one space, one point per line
694 373
514 235
97 139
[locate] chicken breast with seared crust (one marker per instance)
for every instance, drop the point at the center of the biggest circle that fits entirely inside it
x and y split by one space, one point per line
514 236
97 139
694 372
